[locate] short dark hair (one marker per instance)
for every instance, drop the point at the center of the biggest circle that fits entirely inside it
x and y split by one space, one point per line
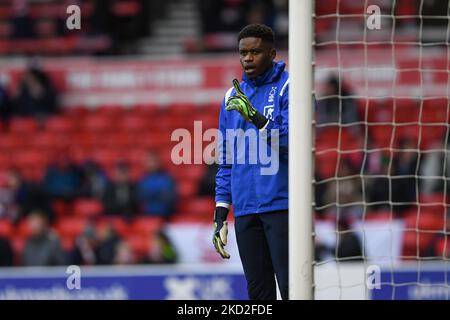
257 30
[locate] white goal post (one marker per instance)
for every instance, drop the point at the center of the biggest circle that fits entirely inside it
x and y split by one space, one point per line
369 166
300 147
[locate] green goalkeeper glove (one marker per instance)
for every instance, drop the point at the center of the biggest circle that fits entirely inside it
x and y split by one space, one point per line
221 231
242 104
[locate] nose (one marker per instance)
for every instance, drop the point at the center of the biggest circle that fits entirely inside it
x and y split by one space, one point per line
248 57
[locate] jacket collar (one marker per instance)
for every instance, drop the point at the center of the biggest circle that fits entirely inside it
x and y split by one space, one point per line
271 75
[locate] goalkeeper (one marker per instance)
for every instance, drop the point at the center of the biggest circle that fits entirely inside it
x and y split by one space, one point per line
260 202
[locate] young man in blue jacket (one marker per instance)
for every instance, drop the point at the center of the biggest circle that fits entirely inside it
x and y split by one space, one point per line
258 104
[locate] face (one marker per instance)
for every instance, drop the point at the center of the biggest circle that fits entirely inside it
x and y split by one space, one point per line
152 163
121 175
256 56
37 224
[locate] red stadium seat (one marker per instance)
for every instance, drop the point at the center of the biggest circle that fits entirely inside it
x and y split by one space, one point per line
133 123
70 227
61 208
18 245
406 110
202 206
98 123
186 218
22 229
46 140
140 245
326 163
112 111
11 141
31 160
3 177
187 189
122 140
421 227
442 248
145 226
6 228
88 208
435 111
23 125
378 216
382 136
195 172
122 228
153 139
60 124
377 111
106 157
5 161
67 243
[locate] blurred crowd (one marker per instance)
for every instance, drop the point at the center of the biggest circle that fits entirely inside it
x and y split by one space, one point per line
92 247
364 180
117 26
400 174
106 27
223 19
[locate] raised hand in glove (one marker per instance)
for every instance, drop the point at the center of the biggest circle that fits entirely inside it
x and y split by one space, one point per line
221 231
242 104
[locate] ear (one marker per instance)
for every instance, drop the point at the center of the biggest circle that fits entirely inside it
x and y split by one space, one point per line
273 53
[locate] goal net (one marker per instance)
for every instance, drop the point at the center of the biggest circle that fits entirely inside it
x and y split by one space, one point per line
382 144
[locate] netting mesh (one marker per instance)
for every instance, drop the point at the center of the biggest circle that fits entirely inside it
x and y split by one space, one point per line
381 146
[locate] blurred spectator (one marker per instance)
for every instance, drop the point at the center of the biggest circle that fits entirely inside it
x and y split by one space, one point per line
120 197
129 21
36 95
108 240
221 19
207 185
43 247
320 188
8 207
438 9
5 105
404 175
322 252
439 246
379 187
349 245
85 249
223 15
395 186
337 106
345 191
261 11
161 249
23 24
435 166
93 181
27 196
281 22
101 19
6 253
156 190
123 254
62 179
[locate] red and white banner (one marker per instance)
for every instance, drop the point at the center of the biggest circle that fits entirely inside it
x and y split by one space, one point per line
405 72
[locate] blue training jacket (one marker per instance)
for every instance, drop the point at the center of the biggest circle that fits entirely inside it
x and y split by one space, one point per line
241 183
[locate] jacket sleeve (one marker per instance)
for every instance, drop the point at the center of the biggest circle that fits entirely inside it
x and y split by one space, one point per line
281 124
223 176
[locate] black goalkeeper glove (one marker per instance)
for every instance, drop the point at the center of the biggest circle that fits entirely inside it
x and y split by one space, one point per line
242 104
221 231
